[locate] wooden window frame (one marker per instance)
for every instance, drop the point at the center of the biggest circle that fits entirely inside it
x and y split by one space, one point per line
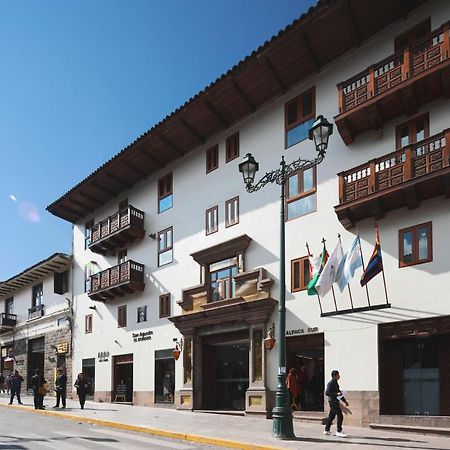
164 306
229 222
122 256
122 316
212 158
88 323
165 249
215 228
9 301
301 194
409 35
88 236
34 289
301 118
412 130
301 286
139 308
232 147
165 189
415 242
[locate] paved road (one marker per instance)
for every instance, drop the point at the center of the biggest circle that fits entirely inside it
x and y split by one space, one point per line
22 430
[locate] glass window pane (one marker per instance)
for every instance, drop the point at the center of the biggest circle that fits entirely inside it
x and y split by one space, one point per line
307 105
302 206
404 136
165 203
420 130
299 133
293 189
296 276
165 258
407 247
423 243
308 180
292 112
169 238
162 241
305 274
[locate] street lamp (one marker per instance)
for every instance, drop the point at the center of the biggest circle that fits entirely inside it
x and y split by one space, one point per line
320 132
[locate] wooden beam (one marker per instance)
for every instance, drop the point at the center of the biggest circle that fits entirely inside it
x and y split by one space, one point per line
134 168
170 144
192 130
91 199
151 157
243 95
305 43
81 205
410 197
103 189
217 114
352 24
77 214
118 180
274 74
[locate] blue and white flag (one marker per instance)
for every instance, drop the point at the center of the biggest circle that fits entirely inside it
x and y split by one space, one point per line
350 262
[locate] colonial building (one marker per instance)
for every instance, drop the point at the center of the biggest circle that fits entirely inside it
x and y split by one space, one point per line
36 322
171 251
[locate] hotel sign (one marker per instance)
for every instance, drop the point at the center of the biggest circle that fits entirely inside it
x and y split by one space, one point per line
62 348
302 331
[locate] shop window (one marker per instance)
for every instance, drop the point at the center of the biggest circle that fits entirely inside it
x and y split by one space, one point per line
165 193
222 284
142 314
88 233
165 247
122 316
301 195
415 245
88 324
164 376
212 220
164 306
300 274
37 295
412 36
232 147
212 158
299 116
232 212
412 131
61 282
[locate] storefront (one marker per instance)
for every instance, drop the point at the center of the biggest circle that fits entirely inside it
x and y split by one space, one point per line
36 351
164 376
88 368
123 378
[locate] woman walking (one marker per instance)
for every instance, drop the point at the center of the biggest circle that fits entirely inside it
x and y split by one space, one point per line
82 388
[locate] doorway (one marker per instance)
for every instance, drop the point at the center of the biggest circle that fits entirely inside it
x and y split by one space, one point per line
123 379
164 376
88 368
35 358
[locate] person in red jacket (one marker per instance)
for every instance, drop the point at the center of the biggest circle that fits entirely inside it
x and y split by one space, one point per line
293 388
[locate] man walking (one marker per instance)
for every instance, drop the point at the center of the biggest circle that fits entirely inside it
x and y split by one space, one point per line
334 394
15 383
61 387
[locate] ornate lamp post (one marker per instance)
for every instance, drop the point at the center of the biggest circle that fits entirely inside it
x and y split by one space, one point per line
319 133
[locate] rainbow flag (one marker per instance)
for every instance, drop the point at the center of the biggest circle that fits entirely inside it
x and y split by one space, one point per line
375 265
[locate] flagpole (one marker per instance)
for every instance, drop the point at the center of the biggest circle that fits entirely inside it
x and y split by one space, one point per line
348 284
382 269
364 269
318 296
332 288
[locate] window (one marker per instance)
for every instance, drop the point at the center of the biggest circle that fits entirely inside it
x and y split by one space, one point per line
232 212
37 295
9 305
222 284
212 158
212 220
415 244
122 256
88 233
299 274
165 247
299 115
88 324
415 130
412 35
61 282
165 193
122 316
164 305
232 147
301 193
88 271
123 205
142 314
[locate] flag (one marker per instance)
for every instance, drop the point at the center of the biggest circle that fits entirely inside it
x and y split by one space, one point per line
351 261
317 271
375 265
326 278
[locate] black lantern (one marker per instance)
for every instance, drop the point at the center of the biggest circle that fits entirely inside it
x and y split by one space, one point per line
248 167
320 132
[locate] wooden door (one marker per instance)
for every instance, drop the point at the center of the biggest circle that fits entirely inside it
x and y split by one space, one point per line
391 377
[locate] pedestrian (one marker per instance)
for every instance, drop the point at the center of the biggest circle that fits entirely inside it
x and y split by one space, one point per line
15 383
38 382
335 395
2 382
302 376
82 388
293 388
61 387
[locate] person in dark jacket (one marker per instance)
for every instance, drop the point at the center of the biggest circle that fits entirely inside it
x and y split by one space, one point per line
15 383
38 381
2 383
61 387
82 387
334 394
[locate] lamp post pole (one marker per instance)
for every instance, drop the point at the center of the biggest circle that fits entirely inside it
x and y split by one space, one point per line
320 132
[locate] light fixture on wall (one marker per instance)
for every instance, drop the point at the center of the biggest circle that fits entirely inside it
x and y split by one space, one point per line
269 341
93 307
177 350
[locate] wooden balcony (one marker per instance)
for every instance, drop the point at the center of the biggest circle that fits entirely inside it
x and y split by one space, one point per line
117 281
402 178
117 230
35 312
7 322
397 85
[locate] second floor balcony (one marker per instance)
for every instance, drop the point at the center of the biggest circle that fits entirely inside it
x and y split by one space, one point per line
7 321
117 231
397 85
119 280
399 179
35 312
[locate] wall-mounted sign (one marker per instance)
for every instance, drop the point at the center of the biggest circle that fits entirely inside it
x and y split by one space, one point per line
302 331
142 336
103 356
62 348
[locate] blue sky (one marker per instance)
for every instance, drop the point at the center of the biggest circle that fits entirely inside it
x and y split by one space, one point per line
80 80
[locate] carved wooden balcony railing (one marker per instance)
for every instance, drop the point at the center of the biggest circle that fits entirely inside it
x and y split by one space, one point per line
397 85
119 280
35 312
7 321
401 178
117 230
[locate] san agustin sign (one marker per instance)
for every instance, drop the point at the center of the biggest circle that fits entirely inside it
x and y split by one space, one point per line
142 336
302 331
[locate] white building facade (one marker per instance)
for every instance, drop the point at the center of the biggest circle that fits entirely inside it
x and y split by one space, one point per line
171 251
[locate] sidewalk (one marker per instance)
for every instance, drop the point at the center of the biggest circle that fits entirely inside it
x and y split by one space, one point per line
223 430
